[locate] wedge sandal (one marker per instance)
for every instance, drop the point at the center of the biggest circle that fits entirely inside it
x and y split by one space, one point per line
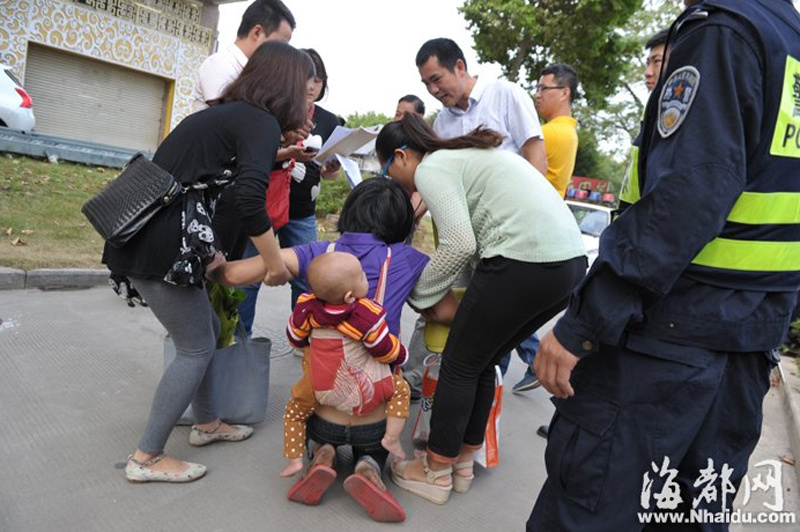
427 489
461 484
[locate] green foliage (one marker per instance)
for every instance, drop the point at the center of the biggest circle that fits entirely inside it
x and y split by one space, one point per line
225 302
593 162
792 343
623 112
370 118
332 195
603 39
524 36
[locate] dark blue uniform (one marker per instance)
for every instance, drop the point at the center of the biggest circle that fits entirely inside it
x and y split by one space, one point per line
694 284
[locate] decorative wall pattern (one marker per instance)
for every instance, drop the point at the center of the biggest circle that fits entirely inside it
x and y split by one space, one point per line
85 31
189 62
14 34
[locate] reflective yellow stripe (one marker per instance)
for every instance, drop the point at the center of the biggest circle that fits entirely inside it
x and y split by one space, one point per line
630 183
766 208
786 141
750 255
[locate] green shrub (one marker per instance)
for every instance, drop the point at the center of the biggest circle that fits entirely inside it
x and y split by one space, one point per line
332 195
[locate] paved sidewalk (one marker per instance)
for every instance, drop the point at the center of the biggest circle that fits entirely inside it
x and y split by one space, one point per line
77 373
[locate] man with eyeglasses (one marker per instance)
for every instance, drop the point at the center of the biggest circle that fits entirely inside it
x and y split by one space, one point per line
555 92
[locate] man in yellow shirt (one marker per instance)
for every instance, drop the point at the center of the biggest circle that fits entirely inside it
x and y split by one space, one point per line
555 92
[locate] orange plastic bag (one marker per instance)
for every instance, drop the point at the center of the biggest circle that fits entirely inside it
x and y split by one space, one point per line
489 454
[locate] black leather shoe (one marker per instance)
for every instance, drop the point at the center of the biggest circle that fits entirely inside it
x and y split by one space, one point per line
543 431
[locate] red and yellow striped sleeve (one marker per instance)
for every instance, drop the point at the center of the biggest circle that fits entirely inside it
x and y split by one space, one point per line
299 328
368 322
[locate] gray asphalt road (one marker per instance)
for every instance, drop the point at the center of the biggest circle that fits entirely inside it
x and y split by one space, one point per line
77 374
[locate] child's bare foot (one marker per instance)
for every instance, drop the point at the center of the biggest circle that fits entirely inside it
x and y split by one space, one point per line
392 444
294 466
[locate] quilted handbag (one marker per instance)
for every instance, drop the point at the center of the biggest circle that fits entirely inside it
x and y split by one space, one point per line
126 204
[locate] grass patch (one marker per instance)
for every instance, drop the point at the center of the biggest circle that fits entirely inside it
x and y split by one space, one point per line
40 214
41 224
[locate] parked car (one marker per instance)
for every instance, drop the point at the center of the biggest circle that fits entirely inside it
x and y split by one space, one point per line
16 107
592 220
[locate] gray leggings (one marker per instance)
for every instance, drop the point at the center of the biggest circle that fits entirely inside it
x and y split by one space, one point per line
193 325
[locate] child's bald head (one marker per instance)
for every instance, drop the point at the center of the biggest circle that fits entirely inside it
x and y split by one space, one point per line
337 278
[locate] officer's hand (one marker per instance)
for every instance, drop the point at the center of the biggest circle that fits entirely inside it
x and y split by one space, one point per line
553 366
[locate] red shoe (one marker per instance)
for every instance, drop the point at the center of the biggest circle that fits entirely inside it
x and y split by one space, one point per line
313 485
380 505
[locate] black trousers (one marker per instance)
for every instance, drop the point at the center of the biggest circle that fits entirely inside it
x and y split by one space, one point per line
506 301
640 427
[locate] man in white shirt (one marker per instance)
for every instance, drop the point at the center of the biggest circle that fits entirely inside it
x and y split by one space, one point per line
264 20
470 101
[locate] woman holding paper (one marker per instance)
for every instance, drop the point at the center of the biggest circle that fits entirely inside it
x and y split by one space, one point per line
304 189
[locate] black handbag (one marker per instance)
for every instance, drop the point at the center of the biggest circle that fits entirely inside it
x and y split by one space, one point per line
126 204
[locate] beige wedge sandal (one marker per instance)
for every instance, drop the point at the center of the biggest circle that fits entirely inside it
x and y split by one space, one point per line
461 484
427 489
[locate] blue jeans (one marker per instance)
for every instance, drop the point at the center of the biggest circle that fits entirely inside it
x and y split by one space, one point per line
526 350
365 440
294 233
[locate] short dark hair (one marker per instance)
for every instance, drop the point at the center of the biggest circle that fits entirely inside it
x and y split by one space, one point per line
379 207
658 39
322 74
274 79
565 76
419 105
445 50
268 13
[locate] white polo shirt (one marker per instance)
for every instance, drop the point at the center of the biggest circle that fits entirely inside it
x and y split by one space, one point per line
499 105
216 73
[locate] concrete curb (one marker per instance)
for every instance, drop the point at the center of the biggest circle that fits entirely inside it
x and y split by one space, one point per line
790 400
52 278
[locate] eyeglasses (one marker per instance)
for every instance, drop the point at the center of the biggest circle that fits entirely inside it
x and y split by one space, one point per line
541 88
385 169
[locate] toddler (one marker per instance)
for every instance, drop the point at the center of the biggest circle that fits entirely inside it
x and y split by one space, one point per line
338 302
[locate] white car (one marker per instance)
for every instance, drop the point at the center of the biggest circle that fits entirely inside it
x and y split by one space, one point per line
16 107
592 220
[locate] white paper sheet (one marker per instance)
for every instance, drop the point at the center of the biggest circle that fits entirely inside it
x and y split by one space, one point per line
351 170
344 141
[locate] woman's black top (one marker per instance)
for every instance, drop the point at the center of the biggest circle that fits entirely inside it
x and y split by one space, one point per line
232 136
303 195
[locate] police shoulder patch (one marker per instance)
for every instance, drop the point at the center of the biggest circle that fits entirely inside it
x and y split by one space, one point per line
677 95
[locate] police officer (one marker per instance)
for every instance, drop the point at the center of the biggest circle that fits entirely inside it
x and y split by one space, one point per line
630 182
661 362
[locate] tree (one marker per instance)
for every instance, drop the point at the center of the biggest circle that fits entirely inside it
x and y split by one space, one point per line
370 118
623 112
603 39
593 162
523 36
